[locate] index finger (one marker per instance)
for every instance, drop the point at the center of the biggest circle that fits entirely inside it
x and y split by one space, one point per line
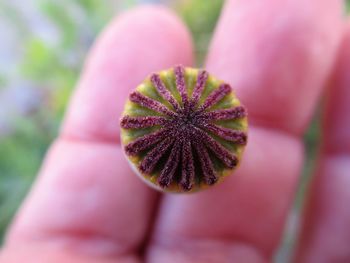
87 199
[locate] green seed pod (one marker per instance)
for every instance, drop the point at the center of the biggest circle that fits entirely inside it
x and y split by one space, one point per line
183 130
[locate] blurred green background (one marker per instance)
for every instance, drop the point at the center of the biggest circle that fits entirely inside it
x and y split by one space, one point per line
41 53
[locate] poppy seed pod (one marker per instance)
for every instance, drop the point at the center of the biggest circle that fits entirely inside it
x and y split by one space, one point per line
183 130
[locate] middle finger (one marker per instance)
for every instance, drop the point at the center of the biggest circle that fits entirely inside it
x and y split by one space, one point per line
277 56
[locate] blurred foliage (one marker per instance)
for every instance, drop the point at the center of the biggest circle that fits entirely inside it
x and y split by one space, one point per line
201 17
21 155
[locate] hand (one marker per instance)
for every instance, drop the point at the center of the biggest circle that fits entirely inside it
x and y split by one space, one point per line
88 206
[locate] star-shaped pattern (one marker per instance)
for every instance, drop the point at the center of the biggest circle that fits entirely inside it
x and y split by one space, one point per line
183 146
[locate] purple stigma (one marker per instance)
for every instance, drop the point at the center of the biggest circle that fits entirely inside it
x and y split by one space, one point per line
187 171
128 122
181 85
226 114
198 89
163 91
168 172
149 103
151 159
220 151
238 137
216 96
146 141
206 164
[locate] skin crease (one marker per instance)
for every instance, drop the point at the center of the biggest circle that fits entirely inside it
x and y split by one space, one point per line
94 209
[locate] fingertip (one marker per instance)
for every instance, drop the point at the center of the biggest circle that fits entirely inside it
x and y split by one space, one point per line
142 40
277 55
156 25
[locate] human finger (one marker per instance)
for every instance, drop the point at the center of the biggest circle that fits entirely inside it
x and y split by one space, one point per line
86 199
325 235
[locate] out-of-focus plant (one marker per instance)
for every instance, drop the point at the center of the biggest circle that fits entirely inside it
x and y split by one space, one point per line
201 17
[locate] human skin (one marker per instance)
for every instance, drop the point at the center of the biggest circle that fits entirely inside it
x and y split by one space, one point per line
88 206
